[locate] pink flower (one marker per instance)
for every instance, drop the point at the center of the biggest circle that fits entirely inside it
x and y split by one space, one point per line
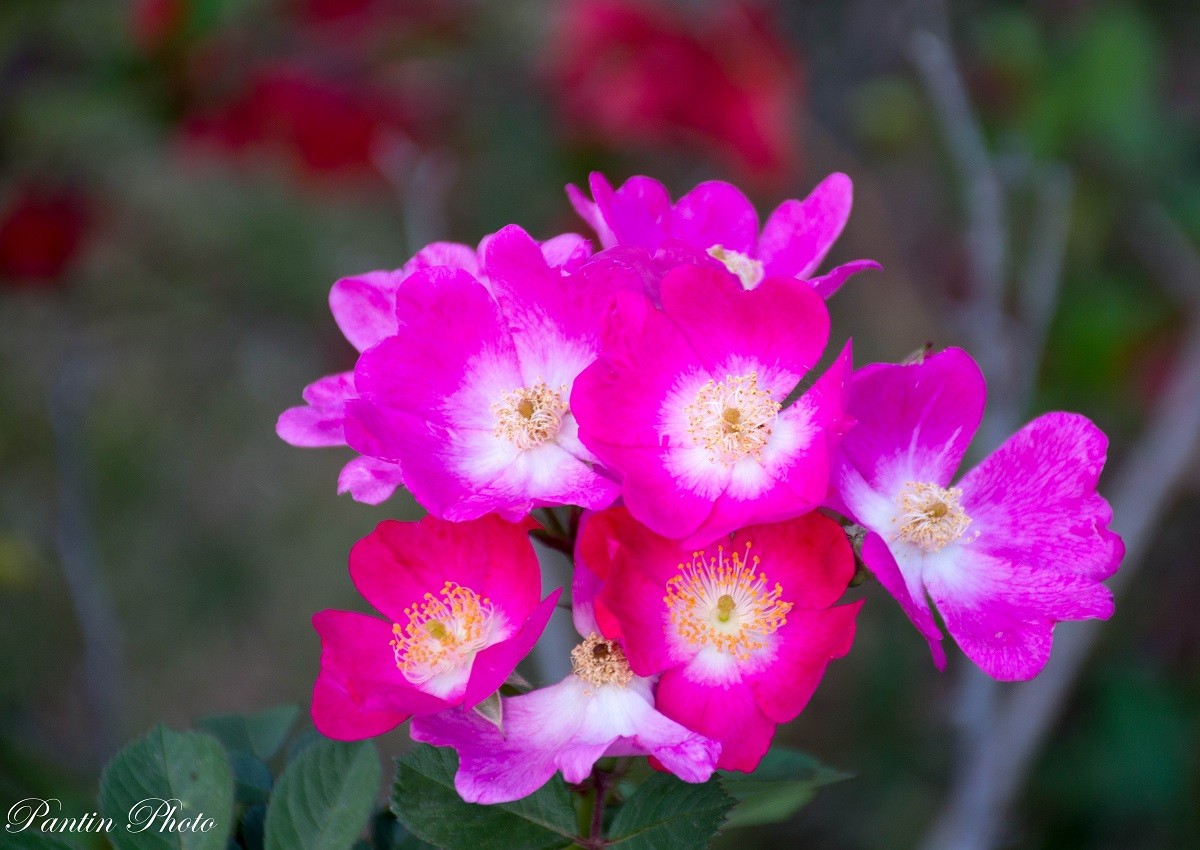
601 709
686 403
364 307
461 608
741 630
1021 542
471 396
715 224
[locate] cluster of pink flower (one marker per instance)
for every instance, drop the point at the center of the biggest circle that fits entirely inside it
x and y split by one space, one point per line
653 386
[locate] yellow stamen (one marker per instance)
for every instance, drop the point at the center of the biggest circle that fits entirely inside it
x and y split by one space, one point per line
930 517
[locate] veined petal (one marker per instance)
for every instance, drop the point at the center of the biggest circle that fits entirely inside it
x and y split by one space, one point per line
798 234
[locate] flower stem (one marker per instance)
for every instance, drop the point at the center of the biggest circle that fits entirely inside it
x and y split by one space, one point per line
600 780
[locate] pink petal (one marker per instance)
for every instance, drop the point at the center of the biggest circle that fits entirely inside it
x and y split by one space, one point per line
493 768
716 213
452 254
830 282
369 480
638 213
728 715
567 251
493 665
360 690
882 564
1042 550
781 324
363 307
795 466
643 564
399 562
798 234
808 556
590 213
913 423
322 422
595 548
806 644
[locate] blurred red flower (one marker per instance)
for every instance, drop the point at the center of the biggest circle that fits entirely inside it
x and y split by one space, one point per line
156 23
326 127
41 232
627 71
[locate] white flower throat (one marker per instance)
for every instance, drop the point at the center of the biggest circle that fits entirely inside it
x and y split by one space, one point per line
732 418
725 602
530 416
930 517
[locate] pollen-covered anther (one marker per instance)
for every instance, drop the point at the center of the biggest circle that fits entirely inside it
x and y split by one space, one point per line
529 416
600 662
930 517
732 418
725 602
443 632
748 270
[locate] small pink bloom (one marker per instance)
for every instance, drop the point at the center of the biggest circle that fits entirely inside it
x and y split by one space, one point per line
1022 541
740 630
471 396
364 307
461 608
601 709
685 403
715 224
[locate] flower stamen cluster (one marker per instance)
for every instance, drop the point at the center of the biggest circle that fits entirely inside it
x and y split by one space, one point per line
724 603
930 517
600 662
442 634
732 418
529 416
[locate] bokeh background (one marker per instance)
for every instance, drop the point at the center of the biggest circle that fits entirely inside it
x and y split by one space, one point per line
182 180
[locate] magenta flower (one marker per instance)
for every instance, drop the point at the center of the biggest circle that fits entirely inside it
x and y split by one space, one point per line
715 224
601 709
471 396
1022 541
741 630
364 307
461 608
686 403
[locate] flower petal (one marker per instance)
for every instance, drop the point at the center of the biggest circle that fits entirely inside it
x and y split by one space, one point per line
830 282
364 308
913 423
716 213
360 692
798 234
728 715
782 323
369 480
907 589
492 666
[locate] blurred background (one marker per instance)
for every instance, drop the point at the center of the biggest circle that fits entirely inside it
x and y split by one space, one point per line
182 180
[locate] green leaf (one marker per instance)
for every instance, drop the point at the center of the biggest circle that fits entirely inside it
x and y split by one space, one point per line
189 767
324 798
667 813
252 778
425 802
784 782
260 735
36 841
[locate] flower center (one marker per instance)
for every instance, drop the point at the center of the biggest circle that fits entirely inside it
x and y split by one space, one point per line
443 632
725 603
732 418
930 516
600 662
529 416
748 270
